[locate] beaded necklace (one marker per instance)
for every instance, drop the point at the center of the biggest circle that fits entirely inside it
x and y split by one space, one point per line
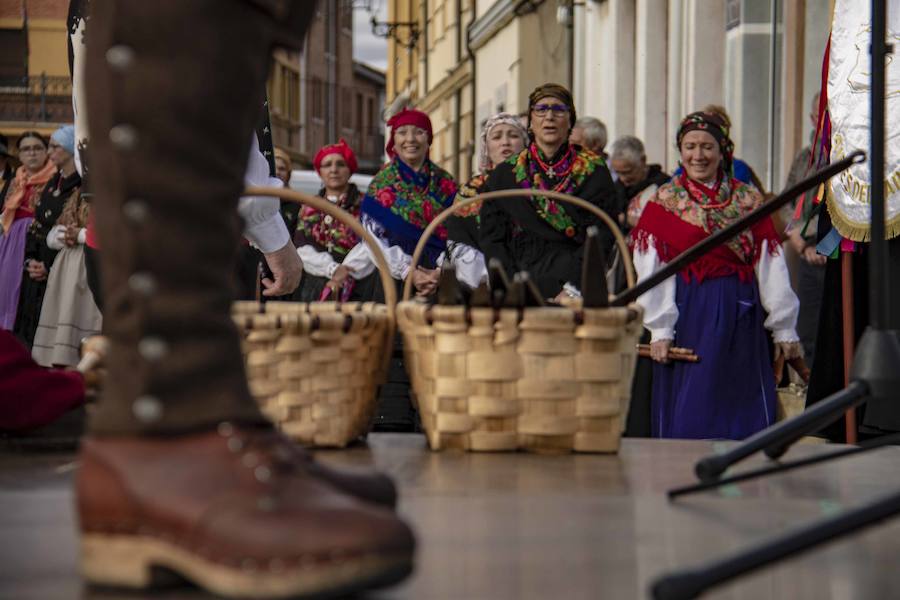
550 169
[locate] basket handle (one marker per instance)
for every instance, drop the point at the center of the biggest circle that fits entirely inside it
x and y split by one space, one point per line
566 198
390 290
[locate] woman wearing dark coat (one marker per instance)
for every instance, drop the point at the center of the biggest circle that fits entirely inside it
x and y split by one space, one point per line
538 234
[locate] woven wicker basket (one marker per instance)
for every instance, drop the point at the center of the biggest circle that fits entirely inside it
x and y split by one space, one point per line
314 368
542 379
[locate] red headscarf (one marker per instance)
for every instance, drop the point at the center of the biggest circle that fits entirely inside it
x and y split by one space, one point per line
408 116
341 148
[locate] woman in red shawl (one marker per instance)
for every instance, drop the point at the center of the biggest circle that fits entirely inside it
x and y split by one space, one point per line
716 306
335 263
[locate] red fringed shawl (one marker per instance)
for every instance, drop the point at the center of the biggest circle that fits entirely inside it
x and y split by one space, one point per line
676 219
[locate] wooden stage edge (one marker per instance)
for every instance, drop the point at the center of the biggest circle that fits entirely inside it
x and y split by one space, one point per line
521 526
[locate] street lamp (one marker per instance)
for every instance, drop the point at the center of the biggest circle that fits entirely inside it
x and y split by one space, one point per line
391 29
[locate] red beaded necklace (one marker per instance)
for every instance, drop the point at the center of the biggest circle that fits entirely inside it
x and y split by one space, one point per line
690 185
549 168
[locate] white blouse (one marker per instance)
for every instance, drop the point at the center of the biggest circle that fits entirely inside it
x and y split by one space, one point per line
322 264
775 292
469 262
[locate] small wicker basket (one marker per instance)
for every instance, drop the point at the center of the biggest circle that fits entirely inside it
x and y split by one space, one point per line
314 368
550 379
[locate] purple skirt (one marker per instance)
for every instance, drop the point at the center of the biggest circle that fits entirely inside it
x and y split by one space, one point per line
12 259
730 393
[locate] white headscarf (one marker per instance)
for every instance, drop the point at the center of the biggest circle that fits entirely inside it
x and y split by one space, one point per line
503 118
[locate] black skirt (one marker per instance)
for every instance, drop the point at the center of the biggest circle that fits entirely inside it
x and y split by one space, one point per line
31 299
311 286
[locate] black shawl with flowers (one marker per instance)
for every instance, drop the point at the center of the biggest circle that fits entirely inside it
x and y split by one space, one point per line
326 234
510 224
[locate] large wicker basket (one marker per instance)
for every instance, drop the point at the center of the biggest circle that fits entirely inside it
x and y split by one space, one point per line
541 379
314 368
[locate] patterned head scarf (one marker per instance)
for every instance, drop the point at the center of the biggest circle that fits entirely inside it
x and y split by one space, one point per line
342 148
408 116
553 90
716 126
503 118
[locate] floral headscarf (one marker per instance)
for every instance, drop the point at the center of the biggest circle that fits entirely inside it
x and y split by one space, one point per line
503 118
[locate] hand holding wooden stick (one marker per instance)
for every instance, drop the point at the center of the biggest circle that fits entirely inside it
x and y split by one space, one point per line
681 354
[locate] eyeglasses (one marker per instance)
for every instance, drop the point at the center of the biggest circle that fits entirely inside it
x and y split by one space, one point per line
53 146
31 149
559 110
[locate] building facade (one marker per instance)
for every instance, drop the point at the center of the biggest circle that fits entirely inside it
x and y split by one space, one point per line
469 60
447 83
402 77
336 93
35 89
641 65
368 107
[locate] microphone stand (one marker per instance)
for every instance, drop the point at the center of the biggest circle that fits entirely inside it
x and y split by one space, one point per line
693 582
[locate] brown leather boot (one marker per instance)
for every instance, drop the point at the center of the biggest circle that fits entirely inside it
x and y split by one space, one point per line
235 514
362 483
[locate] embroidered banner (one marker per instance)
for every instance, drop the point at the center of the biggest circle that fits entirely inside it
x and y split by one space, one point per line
848 104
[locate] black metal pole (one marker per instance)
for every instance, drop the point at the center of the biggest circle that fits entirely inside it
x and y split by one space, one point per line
691 583
786 432
879 290
772 469
723 235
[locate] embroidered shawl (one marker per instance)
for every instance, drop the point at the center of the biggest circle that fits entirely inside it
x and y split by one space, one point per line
326 233
576 165
683 213
404 202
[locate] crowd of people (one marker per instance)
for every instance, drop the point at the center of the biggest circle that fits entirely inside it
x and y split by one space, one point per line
44 296
178 467
720 306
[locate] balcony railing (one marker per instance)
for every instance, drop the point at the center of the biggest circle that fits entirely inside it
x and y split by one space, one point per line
36 99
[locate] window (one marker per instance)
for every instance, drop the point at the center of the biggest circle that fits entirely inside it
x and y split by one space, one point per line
13 55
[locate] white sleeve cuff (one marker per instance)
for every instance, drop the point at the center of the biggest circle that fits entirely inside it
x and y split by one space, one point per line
54 238
663 333
785 335
268 235
359 262
318 264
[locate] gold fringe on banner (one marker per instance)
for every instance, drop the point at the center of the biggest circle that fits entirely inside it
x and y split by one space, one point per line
858 232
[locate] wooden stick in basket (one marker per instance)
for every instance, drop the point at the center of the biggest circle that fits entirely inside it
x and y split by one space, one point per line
519 194
675 353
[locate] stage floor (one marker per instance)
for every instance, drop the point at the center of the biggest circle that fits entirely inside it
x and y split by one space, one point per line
516 526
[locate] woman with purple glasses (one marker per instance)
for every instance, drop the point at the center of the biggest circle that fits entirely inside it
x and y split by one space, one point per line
539 234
